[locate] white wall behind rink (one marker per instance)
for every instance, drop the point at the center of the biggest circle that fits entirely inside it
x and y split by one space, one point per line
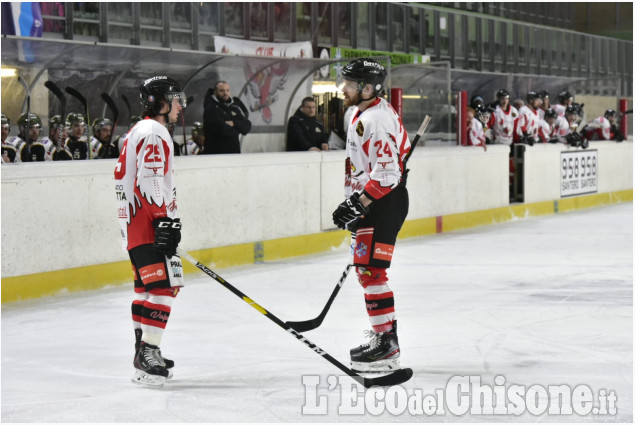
59 215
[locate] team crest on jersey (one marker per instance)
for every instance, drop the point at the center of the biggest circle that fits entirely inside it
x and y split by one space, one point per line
360 128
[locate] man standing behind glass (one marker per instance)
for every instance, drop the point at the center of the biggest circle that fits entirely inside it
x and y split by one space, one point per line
224 120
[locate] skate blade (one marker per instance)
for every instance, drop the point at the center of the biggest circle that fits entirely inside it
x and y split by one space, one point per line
146 380
170 373
380 366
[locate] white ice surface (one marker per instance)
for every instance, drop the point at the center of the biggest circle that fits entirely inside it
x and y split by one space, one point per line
543 301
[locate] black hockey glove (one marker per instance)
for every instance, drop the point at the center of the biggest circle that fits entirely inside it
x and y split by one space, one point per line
528 140
617 134
167 235
349 212
584 143
553 140
574 139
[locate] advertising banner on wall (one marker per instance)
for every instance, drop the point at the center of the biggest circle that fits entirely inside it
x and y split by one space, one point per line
578 172
264 81
396 59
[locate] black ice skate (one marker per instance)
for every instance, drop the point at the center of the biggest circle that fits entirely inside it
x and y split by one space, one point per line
380 354
138 333
150 367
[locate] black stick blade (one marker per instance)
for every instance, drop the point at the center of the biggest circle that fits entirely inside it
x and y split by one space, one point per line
54 88
73 92
112 106
127 102
306 325
398 377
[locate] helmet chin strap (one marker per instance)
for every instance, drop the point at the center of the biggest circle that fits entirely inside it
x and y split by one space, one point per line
361 99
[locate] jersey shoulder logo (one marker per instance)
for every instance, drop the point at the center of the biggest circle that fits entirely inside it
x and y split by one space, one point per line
360 128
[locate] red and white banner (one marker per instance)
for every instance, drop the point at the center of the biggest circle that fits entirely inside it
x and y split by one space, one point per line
262 48
268 83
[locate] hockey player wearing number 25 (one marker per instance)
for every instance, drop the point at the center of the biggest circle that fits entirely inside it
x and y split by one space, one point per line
150 227
376 204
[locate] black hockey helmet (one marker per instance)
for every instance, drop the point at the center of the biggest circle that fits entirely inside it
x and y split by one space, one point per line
29 120
579 107
550 113
476 101
502 93
5 120
483 112
197 129
364 71
543 94
531 95
55 120
610 114
158 88
571 110
98 123
563 96
75 117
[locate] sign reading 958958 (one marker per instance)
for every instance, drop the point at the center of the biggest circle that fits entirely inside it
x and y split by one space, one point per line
578 172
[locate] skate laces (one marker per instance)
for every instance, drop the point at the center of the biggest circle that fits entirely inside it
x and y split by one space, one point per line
153 357
374 340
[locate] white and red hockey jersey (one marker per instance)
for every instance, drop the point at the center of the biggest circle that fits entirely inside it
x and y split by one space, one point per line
192 148
503 124
561 128
144 182
528 122
599 129
376 146
560 109
475 133
544 131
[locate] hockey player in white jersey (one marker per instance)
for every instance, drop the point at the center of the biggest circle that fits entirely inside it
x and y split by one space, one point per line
77 139
376 204
196 144
604 128
546 103
150 227
476 126
27 144
8 150
100 142
504 120
565 98
54 147
528 120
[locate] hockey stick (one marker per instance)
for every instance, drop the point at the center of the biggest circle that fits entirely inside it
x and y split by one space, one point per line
395 378
422 129
308 325
77 95
62 98
28 96
189 100
125 100
115 112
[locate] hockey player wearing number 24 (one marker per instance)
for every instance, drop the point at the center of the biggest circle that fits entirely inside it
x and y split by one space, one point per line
150 227
376 204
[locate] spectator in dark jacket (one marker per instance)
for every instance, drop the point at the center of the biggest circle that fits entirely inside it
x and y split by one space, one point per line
305 132
224 120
